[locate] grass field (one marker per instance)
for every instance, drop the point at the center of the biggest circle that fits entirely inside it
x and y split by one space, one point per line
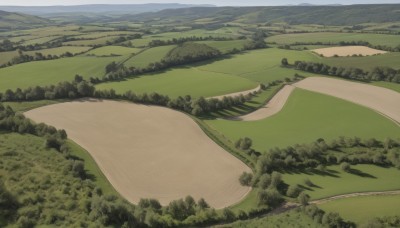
52 71
306 117
337 182
363 208
375 39
225 46
151 55
260 66
293 219
113 50
92 42
183 81
367 62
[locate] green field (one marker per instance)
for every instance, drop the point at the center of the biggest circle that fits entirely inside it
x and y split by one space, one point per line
260 65
363 208
225 46
113 50
52 71
337 182
367 62
374 39
92 42
182 81
306 117
151 55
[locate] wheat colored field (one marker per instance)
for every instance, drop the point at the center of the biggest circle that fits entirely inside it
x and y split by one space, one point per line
347 51
149 151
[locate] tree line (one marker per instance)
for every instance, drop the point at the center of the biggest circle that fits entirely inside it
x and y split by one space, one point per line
376 74
181 40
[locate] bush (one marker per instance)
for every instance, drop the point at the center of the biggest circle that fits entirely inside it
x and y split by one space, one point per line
345 167
245 179
293 191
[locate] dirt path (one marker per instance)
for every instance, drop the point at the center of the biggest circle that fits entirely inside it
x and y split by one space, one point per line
350 195
244 93
149 151
271 108
348 51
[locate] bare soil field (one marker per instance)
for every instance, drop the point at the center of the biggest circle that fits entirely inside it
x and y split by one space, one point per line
347 51
382 100
272 107
149 151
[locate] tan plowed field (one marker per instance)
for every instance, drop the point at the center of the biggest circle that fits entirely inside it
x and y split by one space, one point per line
348 51
149 151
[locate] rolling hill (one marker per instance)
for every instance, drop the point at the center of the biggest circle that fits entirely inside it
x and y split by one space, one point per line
9 20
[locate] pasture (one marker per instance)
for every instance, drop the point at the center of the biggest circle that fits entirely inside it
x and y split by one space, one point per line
331 37
182 81
148 56
177 160
363 208
306 117
366 62
334 181
113 50
52 71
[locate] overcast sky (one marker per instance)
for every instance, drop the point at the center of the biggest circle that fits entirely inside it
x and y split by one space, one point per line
214 2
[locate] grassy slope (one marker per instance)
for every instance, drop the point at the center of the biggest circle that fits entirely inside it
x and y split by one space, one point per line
306 117
52 71
182 81
337 182
148 56
293 218
375 39
59 50
362 209
225 46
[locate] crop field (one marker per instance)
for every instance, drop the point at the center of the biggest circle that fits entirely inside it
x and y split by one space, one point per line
367 62
337 182
148 56
301 119
52 71
182 81
348 51
93 42
374 39
40 40
363 208
210 172
113 50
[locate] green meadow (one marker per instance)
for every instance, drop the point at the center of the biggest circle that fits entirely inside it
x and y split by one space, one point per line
334 181
52 71
363 208
148 56
182 81
113 50
306 117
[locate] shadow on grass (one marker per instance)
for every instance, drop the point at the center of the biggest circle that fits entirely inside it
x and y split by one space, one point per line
361 173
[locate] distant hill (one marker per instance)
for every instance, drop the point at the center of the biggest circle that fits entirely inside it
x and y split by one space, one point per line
97 8
10 21
328 15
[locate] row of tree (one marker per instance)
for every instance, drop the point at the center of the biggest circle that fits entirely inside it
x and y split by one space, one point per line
181 40
376 74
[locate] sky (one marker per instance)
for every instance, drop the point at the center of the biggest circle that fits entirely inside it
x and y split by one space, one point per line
214 2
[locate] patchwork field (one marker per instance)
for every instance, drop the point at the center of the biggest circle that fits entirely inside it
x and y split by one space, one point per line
306 117
113 50
177 160
363 208
347 51
366 62
148 56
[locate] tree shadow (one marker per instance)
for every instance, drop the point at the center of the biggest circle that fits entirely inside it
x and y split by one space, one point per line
361 173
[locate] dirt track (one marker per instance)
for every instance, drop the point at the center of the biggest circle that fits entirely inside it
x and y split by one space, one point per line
149 151
272 107
350 195
348 51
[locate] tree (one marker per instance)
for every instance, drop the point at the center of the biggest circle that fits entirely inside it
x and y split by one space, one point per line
293 191
303 199
202 204
284 62
264 181
111 67
270 197
345 167
243 143
245 179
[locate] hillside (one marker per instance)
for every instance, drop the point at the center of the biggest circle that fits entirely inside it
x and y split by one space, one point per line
10 21
328 15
